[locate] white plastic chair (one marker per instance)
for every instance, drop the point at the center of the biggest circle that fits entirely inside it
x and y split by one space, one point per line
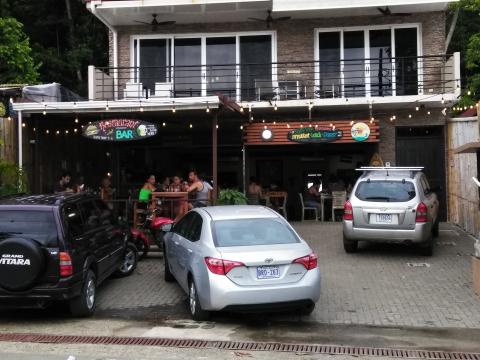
283 208
304 208
338 201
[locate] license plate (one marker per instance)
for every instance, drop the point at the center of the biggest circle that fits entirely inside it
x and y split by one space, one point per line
268 272
384 218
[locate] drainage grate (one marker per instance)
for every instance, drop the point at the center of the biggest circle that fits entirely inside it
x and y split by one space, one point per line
236 345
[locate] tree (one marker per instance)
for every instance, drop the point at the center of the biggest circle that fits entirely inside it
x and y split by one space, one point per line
17 65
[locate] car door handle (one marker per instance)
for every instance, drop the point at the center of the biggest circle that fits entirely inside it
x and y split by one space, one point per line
176 242
190 251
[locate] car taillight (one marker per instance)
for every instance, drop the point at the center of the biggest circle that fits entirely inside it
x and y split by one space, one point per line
220 266
347 211
310 261
66 268
422 212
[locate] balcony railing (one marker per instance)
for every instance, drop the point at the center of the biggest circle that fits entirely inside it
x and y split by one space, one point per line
376 77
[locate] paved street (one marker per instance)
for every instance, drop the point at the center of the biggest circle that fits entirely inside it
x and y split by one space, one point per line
380 285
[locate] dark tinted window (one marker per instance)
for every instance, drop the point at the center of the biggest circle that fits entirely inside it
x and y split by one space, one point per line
106 215
73 219
183 226
194 230
38 225
248 232
91 215
388 191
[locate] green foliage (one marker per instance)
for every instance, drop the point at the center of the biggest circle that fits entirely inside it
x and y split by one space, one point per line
12 179
231 197
472 63
16 60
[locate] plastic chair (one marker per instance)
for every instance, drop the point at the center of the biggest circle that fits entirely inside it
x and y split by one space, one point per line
283 208
338 201
304 208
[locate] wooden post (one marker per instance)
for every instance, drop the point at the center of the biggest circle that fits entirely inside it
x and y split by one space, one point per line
214 157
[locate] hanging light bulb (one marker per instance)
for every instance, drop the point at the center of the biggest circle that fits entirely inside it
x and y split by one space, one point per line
428 112
274 123
76 120
331 125
394 117
141 107
241 109
57 132
263 121
372 119
47 131
66 131
351 123
417 108
173 109
216 126
241 127
107 107
164 124
301 125
11 100
9 118
191 126
469 93
23 125
275 106
34 129
265 127
443 100
44 112
288 126
207 110
409 116
471 106
333 128
75 130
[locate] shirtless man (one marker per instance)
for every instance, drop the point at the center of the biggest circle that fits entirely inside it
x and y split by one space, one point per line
202 189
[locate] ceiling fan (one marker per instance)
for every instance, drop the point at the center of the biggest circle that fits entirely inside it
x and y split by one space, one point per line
154 23
270 20
386 11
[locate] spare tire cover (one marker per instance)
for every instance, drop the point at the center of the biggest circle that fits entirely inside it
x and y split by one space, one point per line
21 263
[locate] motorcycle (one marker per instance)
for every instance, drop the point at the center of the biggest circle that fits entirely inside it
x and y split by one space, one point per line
149 233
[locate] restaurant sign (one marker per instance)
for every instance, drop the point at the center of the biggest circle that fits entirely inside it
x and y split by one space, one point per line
313 135
119 130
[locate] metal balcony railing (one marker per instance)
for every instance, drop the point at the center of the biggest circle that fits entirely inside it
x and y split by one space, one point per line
419 75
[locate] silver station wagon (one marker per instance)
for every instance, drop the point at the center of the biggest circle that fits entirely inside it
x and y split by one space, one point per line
392 205
242 258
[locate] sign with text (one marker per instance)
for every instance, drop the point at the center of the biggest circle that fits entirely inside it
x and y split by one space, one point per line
313 135
119 130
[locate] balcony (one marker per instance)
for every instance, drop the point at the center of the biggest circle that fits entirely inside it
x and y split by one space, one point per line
384 80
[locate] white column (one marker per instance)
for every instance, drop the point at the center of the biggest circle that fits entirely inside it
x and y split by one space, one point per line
91 83
20 140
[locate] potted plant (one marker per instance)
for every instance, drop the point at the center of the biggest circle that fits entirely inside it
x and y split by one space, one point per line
231 197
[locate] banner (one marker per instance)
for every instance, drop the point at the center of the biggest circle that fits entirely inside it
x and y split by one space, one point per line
119 130
312 135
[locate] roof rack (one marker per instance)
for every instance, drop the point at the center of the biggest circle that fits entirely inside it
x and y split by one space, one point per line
390 168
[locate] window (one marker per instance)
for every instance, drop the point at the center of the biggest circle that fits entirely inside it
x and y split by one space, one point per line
90 215
73 220
385 191
183 226
106 215
251 232
39 225
194 230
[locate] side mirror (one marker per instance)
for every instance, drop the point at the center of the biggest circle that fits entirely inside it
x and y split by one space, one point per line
167 227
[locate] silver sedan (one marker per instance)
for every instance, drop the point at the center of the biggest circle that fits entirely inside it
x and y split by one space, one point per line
240 258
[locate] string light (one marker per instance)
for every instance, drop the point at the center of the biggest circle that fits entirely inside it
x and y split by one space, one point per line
241 127
274 123
409 116
107 107
310 106
265 127
217 126
471 106
428 112
141 107
66 131
76 120
58 132
333 127
74 104
372 120
164 124
275 106
417 108
207 110
469 93
173 108
34 129
241 109
301 125
9 118
75 130
47 131
249 108
191 126
11 100
443 100
23 125
44 112
394 117
288 126
263 121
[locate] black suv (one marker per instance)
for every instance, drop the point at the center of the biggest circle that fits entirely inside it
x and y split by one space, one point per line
59 247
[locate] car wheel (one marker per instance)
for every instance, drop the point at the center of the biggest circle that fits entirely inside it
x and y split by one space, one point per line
84 305
129 262
168 275
196 311
350 246
307 310
426 249
436 228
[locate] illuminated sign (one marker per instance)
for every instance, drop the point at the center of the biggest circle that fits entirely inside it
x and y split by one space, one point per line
312 135
360 131
119 130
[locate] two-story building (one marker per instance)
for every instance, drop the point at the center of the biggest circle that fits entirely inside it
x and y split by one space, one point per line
276 89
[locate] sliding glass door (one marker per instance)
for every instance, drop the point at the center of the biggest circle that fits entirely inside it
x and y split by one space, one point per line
188 67
221 66
367 62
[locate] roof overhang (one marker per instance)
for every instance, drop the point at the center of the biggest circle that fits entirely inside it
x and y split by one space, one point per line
125 12
468 148
197 103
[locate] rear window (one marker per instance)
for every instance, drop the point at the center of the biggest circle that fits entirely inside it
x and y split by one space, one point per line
248 232
38 225
387 191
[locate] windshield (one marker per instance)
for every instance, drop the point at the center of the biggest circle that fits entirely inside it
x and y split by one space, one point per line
385 190
38 225
248 232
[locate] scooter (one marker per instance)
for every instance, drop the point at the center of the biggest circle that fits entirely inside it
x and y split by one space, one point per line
149 233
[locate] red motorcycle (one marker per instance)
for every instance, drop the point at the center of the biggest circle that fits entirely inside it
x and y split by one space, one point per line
149 233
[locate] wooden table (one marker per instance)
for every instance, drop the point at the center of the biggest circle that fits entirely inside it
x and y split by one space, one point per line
171 196
281 196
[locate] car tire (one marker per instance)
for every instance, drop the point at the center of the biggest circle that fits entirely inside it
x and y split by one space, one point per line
84 305
129 261
308 309
436 228
426 248
168 274
196 311
350 246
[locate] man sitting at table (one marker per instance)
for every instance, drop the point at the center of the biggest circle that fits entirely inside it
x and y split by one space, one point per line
312 196
201 188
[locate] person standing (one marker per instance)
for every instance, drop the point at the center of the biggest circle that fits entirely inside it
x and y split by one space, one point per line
254 193
201 188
